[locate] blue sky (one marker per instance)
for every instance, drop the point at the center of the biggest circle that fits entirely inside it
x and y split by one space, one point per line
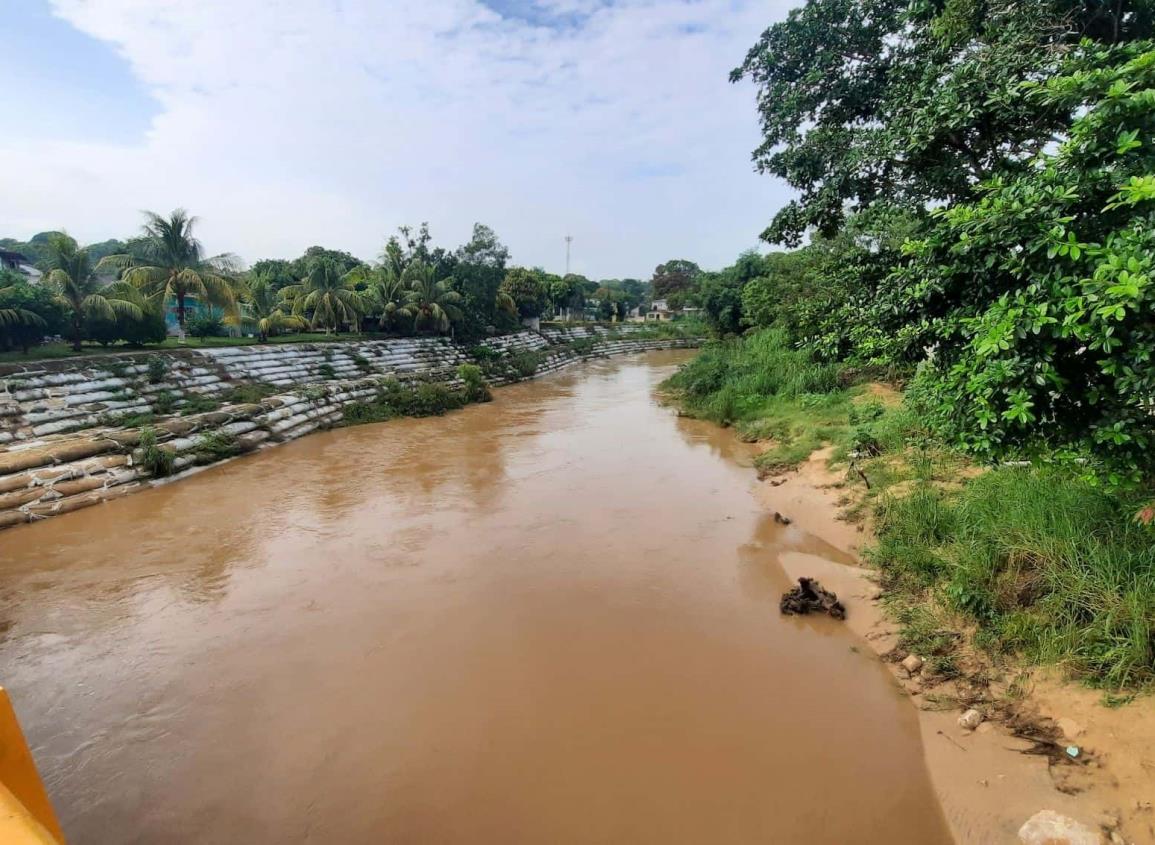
335 121
62 83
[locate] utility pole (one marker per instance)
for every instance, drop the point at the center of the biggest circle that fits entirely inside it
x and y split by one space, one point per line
568 241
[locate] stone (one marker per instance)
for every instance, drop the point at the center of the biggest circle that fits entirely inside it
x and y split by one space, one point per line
1047 827
970 720
1117 839
912 663
1070 728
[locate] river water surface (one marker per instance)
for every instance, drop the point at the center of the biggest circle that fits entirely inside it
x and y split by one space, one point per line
550 619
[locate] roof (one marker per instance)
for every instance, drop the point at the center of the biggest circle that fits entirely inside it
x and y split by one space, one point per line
13 257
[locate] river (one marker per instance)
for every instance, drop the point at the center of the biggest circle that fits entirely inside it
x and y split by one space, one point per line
549 619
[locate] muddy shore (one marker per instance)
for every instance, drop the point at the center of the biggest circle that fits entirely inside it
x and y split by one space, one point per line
987 782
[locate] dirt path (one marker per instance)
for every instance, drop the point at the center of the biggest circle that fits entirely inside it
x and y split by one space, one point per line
987 787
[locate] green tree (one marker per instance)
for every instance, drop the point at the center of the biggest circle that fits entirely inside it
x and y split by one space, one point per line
326 297
478 271
675 278
1038 297
27 312
912 103
430 301
343 261
168 262
527 290
276 272
69 273
568 295
266 310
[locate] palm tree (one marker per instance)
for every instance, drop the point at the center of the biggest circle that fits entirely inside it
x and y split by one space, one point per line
327 296
266 311
171 264
70 275
384 291
429 299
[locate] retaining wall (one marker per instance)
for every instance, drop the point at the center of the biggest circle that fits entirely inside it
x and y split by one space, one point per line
68 439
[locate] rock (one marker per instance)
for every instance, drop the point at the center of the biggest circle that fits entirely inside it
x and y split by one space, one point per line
1117 839
781 519
984 728
1070 728
912 663
810 597
1047 827
970 719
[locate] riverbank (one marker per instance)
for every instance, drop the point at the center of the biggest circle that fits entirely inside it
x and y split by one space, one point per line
77 434
853 466
988 780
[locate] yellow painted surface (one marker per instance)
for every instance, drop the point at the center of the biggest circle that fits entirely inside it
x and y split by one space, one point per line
26 815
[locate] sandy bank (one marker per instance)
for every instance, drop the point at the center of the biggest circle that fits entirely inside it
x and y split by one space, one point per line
987 786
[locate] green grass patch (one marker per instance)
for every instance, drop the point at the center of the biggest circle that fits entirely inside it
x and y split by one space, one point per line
394 399
1044 563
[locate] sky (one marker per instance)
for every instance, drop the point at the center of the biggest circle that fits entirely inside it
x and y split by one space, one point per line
287 123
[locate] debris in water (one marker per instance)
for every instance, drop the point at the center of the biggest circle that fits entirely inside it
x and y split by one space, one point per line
1073 752
782 519
810 597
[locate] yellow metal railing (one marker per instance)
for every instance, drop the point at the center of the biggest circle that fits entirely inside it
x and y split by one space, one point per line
26 815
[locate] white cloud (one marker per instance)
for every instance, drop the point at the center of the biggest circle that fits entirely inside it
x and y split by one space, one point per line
299 122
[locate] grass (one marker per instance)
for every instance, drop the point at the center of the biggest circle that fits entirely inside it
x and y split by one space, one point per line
1042 562
1035 563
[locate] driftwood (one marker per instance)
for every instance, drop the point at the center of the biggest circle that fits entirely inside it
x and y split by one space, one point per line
810 597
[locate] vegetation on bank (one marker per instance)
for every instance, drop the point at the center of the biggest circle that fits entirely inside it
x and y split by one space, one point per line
131 293
1037 561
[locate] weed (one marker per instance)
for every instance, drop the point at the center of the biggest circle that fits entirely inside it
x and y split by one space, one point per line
157 461
215 446
157 369
248 394
164 402
198 403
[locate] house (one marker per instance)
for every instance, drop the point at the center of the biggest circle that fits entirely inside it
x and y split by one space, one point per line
660 312
18 263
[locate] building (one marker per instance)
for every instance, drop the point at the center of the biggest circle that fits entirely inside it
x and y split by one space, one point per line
18 263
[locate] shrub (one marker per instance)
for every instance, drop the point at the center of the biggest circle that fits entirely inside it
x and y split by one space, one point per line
476 389
156 460
164 402
205 326
157 369
524 364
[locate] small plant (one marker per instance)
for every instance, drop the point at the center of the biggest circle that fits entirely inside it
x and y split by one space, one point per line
164 402
157 369
198 403
248 394
361 362
525 364
215 446
156 460
476 388
117 368
483 353
326 370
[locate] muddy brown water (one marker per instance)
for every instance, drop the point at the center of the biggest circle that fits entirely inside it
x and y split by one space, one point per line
548 619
